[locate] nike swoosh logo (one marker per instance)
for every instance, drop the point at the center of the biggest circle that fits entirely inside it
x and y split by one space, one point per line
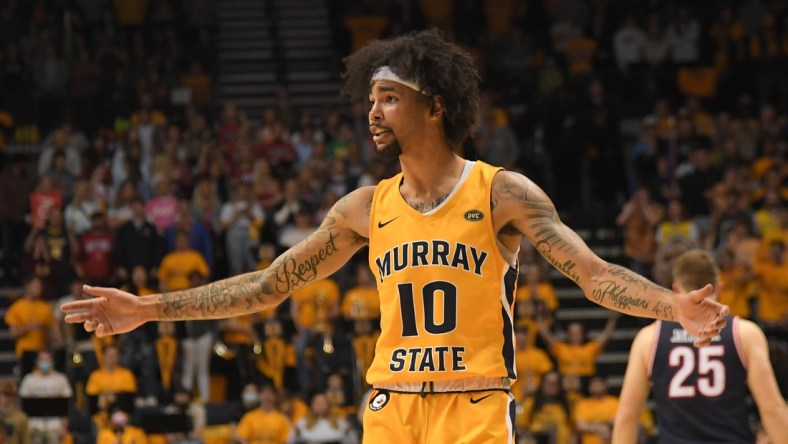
383 224
478 400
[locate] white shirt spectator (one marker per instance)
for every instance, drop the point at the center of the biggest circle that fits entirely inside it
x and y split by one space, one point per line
323 432
629 44
682 39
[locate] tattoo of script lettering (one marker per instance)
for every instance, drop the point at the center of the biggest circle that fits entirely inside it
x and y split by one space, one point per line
631 277
617 293
291 275
246 291
543 219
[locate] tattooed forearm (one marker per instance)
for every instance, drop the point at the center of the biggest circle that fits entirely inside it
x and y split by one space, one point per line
628 292
240 293
259 290
631 278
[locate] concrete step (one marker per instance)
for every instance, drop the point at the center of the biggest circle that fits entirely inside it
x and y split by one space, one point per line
303 22
232 45
239 4
248 34
578 314
613 358
299 76
244 13
298 33
335 100
247 90
249 102
247 77
248 54
308 53
309 88
243 25
306 43
237 67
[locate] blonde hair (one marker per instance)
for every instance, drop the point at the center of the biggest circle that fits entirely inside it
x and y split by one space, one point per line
694 269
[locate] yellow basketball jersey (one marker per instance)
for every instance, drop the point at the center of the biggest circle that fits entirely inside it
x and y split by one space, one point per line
446 291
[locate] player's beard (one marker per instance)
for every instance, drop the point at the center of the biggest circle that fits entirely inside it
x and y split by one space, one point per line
390 151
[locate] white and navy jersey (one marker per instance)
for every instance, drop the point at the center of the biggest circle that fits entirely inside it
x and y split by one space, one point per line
700 392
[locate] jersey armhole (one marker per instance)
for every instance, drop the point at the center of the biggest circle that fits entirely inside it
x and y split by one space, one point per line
737 341
654 342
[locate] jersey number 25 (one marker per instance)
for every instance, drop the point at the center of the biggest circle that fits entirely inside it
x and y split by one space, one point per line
710 380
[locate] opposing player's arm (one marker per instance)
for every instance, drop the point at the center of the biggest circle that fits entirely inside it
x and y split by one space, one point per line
343 232
635 389
519 204
762 383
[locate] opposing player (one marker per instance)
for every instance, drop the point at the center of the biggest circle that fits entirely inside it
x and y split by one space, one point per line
700 393
443 237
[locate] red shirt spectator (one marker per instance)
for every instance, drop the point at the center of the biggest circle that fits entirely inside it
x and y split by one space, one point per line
95 252
42 199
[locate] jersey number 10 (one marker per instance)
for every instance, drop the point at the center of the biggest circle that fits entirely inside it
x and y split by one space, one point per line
710 380
408 308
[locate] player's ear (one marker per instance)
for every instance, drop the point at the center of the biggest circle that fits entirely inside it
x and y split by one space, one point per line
436 107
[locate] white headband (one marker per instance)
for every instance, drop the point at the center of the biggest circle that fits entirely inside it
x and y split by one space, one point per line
385 73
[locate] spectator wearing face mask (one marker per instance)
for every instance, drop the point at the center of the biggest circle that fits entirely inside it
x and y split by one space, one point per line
46 382
120 432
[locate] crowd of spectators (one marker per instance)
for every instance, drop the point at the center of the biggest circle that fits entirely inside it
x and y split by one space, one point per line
130 189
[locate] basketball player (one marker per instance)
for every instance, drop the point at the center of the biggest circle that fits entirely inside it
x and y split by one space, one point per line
700 393
443 237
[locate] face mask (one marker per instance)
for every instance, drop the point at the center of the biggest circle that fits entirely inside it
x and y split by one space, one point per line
250 398
119 419
45 366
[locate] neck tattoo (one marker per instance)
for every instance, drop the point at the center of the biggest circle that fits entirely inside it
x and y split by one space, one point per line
423 207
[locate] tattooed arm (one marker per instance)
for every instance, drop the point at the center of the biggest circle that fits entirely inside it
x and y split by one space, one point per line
520 208
343 232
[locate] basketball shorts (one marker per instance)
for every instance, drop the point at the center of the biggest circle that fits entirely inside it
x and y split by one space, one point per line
439 418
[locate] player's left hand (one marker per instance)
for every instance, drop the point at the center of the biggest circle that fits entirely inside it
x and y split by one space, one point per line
701 316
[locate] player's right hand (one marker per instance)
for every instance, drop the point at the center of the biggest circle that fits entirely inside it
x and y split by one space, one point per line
109 312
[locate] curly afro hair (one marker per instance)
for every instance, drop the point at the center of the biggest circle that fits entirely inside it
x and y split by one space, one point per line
439 67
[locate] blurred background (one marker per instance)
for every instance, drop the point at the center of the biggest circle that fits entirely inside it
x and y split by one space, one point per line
157 145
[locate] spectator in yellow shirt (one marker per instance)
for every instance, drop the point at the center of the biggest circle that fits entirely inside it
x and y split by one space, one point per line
772 275
176 267
362 301
577 357
594 415
111 377
30 321
735 284
120 432
263 425
291 406
532 364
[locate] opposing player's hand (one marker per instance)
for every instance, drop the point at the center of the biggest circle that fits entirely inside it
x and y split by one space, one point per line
109 312
701 316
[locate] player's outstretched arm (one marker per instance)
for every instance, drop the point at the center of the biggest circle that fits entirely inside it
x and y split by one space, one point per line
343 232
634 390
520 204
762 383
